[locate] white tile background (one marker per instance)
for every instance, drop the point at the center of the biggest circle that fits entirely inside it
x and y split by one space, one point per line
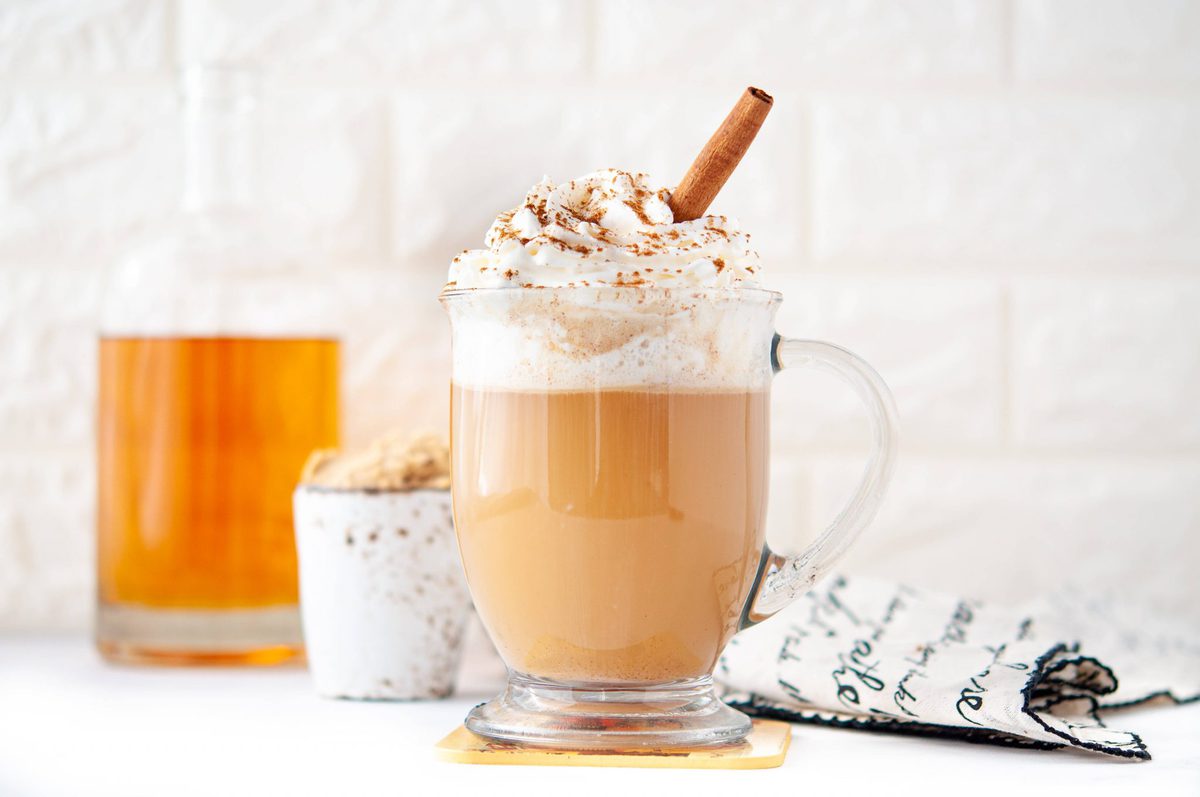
997 202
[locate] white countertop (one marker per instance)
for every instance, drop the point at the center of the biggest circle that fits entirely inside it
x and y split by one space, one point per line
71 725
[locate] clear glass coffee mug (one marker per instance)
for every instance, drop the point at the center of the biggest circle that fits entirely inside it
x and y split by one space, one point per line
609 477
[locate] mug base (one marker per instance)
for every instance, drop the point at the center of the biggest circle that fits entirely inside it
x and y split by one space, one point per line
541 714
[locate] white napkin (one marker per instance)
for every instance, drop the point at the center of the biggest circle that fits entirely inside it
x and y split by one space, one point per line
870 654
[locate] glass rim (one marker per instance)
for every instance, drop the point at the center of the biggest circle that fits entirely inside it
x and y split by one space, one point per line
726 292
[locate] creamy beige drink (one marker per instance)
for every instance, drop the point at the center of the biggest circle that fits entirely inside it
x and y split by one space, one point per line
611 535
609 427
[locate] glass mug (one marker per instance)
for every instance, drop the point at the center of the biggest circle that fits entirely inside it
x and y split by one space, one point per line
609 476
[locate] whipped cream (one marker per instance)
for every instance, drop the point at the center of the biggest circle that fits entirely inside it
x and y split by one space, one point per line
607 228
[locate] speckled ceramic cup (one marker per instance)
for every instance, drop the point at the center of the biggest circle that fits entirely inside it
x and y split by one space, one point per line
382 593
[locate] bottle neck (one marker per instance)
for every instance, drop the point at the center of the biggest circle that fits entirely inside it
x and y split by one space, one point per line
220 149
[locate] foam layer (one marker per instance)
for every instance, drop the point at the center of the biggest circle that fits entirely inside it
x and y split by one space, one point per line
609 227
611 337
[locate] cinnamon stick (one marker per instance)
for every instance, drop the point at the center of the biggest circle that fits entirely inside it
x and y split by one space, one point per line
720 156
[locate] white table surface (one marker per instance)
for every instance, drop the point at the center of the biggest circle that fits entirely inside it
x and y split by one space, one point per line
72 725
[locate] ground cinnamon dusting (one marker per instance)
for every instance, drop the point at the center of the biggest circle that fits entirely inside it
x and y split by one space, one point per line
636 207
587 214
581 249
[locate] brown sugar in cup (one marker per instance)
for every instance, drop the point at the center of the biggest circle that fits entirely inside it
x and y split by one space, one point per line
383 599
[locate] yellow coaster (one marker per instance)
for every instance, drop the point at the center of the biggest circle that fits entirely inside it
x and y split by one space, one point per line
764 748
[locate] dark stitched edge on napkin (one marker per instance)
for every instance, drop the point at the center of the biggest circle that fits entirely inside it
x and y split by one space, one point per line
1037 677
1164 694
751 705
1045 688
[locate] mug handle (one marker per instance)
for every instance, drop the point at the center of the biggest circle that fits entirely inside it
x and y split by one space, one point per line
782 579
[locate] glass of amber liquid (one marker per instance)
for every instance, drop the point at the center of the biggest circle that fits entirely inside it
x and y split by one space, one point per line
215 384
609 470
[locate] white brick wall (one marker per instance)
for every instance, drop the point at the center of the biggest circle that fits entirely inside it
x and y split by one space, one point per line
826 41
381 40
1107 366
81 169
1047 180
997 202
57 37
1111 40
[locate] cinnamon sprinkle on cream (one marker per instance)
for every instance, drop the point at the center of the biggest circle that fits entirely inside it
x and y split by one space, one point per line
601 229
